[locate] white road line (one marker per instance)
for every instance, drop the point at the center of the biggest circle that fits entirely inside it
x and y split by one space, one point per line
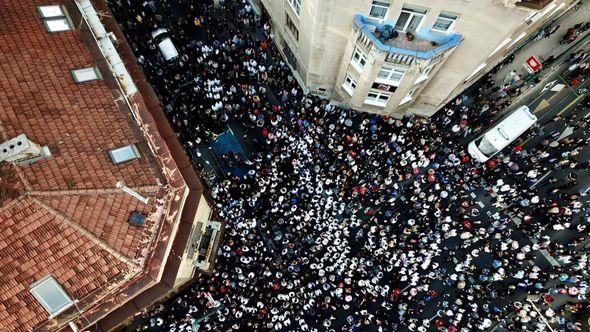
548 257
541 179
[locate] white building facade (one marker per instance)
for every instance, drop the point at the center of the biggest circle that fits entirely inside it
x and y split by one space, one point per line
401 57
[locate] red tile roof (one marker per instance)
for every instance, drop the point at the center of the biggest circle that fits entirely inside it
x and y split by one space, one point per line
69 220
36 242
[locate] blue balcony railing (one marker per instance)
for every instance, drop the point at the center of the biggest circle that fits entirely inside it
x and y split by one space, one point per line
437 42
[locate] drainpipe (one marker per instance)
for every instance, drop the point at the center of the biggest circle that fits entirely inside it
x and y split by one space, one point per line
122 186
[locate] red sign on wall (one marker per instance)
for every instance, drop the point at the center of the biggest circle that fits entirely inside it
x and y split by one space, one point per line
532 64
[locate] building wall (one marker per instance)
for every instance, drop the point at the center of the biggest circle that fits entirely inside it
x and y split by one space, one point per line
325 28
481 34
186 270
527 29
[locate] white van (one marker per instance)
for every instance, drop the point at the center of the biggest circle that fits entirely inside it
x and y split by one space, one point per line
501 134
165 44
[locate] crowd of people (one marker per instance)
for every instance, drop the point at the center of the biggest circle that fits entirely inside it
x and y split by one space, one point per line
350 221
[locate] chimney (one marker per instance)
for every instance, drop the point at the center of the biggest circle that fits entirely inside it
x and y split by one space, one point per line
22 151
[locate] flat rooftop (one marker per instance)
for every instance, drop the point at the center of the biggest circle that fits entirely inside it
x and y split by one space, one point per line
63 216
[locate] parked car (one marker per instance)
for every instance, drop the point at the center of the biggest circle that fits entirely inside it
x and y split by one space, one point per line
501 134
165 44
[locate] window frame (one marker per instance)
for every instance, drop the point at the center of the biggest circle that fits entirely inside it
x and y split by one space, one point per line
453 21
94 69
124 160
349 84
296 6
412 11
377 101
49 279
62 17
388 80
362 61
381 5
291 27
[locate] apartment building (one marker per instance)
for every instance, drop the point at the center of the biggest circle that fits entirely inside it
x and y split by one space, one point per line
401 57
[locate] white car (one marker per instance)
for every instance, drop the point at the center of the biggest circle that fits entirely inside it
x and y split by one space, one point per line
165 44
501 134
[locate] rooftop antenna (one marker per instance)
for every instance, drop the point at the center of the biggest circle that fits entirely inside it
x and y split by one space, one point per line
122 186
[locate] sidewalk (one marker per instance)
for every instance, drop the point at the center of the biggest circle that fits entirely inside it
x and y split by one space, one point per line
546 47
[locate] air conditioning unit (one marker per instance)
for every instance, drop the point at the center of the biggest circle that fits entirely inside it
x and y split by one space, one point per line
22 151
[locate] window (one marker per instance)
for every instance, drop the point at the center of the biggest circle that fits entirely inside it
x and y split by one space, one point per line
50 295
54 18
292 28
391 76
410 19
445 22
485 146
85 74
296 5
377 98
349 85
358 60
379 9
123 154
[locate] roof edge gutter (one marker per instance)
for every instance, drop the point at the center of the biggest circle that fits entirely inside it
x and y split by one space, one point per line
107 48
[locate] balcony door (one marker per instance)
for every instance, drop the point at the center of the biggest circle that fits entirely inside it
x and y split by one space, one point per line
410 19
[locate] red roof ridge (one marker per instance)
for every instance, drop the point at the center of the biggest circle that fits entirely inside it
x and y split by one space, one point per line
133 264
101 191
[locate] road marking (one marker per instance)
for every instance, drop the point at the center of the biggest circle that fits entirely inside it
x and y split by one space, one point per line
539 118
558 87
541 179
570 104
542 316
548 86
566 132
542 105
548 257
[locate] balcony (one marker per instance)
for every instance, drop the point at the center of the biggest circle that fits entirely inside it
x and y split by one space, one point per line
425 44
533 4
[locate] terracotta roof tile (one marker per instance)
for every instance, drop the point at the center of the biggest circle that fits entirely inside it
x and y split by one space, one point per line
106 216
36 243
71 223
46 106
